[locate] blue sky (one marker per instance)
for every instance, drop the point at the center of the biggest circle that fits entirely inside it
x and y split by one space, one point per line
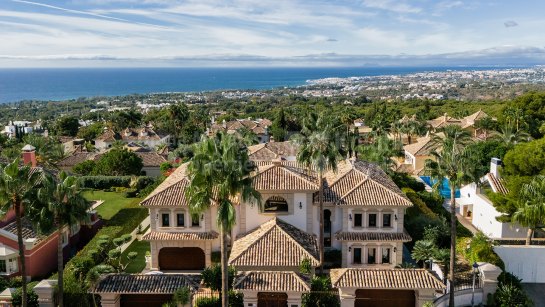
270 32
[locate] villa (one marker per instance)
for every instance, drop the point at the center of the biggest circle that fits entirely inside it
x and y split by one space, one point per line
363 218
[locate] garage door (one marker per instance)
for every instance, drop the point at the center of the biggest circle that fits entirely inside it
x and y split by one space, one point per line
384 298
272 299
181 258
148 300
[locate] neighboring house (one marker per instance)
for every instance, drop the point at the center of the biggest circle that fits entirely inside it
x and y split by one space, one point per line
40 249
145 136
479 210
259 127
416 155
77 156
363 218
467 123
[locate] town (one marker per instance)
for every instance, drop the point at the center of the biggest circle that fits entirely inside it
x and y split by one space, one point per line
305 202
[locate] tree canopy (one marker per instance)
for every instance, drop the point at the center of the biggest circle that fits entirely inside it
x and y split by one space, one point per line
118 162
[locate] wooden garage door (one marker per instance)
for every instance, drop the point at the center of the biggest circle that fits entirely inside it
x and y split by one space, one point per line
181 258
272 299
384 298
148 300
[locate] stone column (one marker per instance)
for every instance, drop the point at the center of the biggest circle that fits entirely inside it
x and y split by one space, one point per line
154 252
110 299
489 274
250 298
45 290
424 295
294 299
348 297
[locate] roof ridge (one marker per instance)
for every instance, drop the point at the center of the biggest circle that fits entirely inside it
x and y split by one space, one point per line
297 175
265 231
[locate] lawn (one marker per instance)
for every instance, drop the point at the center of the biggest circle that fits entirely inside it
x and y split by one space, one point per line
138 264
113 202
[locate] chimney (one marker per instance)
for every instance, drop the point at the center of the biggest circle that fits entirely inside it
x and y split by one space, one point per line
495 166
29 155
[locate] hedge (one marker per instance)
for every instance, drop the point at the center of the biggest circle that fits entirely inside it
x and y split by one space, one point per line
419 207
107 182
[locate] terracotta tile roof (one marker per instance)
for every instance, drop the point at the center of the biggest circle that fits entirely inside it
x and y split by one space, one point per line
471 119
140 134
385 279
109 136
497 184
373 236
272 150
274 244
151 158
283 177
444 120
361 183
146 284
77 157
28 230
180 236
274 281
170 192
423 147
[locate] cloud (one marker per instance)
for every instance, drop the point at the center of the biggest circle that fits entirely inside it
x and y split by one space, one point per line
510 24
331 40
391 5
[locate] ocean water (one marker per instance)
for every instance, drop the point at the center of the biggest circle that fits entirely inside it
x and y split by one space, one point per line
60 84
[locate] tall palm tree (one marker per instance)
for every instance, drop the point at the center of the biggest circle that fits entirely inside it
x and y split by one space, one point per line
511 136
220 172
61 204
17 190
531 207
319 151
451 161
381 151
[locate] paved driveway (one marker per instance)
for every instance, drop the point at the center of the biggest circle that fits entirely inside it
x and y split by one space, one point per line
537 293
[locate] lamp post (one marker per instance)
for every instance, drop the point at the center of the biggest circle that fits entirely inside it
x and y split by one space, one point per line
475 266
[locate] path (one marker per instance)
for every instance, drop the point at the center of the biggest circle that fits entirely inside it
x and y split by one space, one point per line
467 224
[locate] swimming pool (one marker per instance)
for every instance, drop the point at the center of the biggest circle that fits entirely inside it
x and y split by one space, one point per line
444 189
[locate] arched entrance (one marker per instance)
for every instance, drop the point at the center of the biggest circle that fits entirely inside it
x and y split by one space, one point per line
327 228
181 258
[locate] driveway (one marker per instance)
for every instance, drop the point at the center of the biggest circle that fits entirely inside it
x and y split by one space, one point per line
536 292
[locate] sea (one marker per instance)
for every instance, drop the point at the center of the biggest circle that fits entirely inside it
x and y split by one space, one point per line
20 84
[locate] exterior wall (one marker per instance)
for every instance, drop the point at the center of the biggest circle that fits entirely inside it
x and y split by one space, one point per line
484 215
526 262
396 254
420 161
348 296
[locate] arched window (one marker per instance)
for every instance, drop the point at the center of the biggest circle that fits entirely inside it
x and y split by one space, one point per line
275 204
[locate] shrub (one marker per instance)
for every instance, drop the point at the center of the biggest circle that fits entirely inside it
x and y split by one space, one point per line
216 257
130 193
320 295
511 296
419 207
403 180
211 276
109 182
207 302
32 298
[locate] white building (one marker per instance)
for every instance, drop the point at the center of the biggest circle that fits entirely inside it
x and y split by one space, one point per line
477 208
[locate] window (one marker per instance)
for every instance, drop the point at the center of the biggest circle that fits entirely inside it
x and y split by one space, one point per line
387 220
13 262
372 220
275 204
165 217
180 220
3 266
371 255
357 256
195 220
385 255
358 220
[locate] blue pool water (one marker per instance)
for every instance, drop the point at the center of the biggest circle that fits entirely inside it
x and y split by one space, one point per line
444 188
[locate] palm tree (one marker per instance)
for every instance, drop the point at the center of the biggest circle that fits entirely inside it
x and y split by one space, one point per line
320 152
219 172
531 206
451 161
510 136
17 190
381 152
424 251
63 204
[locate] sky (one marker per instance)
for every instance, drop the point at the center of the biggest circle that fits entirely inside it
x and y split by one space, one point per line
124 33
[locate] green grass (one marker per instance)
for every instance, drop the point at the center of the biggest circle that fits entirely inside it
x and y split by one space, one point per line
113 202
138 264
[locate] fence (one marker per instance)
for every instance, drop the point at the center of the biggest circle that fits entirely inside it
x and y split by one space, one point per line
535 241
464 281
